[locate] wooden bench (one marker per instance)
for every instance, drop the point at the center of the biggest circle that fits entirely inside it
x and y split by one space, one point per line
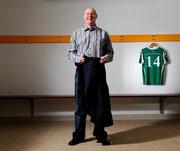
32 98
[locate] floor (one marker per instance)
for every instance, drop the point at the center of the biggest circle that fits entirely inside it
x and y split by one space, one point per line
132 135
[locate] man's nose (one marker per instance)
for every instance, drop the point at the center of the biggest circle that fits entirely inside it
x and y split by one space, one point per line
90 15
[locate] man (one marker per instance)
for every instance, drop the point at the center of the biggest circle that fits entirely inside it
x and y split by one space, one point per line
90 49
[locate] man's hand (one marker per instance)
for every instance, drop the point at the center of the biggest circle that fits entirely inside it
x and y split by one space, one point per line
103 59
81 60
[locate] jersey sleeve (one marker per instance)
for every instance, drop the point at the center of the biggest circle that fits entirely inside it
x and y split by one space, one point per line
141 60
165 56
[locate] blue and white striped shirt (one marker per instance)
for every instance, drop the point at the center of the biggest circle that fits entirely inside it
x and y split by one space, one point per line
92 42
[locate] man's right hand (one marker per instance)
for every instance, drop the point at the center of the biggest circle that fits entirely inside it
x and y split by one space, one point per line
81 60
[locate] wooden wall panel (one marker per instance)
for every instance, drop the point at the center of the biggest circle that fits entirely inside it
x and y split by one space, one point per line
66 38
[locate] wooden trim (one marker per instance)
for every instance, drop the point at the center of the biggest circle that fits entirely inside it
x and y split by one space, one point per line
66 38
42 39
12 39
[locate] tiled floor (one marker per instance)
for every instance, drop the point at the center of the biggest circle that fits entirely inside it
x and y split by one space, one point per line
132 135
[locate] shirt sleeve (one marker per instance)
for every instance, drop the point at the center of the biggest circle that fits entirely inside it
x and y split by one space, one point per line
165 56
109 49
141 60
72 54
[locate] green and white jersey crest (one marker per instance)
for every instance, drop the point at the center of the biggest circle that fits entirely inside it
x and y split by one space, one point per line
153 61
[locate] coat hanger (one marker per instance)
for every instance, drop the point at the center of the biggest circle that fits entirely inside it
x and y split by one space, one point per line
153 44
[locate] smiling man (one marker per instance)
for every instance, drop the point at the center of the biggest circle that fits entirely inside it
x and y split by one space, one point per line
90 49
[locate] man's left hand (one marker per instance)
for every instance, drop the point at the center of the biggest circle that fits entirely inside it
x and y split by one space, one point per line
103 59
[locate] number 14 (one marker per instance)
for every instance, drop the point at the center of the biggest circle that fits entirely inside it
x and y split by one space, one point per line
156 61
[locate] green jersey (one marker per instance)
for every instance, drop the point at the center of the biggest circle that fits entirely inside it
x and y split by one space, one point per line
153 61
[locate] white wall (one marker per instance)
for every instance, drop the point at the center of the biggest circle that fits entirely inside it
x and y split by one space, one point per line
63 16
44 68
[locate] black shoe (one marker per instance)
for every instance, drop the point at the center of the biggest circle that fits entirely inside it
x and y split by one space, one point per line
104 141
75 141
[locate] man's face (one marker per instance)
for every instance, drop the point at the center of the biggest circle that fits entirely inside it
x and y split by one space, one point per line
90 17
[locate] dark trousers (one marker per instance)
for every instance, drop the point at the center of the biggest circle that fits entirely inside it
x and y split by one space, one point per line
92 98
80 126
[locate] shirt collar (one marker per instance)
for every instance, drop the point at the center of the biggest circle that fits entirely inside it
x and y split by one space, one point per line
86 28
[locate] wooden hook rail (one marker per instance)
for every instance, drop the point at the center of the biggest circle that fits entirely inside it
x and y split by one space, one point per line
66 38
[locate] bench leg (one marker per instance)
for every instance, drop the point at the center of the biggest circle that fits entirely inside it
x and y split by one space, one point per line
31 101
162 104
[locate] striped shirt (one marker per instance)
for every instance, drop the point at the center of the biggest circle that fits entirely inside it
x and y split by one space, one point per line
90 42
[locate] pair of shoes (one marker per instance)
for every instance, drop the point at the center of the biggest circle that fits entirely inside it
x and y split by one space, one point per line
75 141
104 141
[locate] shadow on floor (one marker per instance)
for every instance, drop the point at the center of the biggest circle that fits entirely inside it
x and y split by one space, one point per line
155 131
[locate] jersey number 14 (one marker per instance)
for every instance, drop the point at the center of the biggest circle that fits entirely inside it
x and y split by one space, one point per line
156 62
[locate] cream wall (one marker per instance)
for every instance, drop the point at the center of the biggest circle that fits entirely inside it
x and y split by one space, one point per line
63 16
37 69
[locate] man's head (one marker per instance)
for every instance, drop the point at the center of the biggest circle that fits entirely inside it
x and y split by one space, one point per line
90 16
